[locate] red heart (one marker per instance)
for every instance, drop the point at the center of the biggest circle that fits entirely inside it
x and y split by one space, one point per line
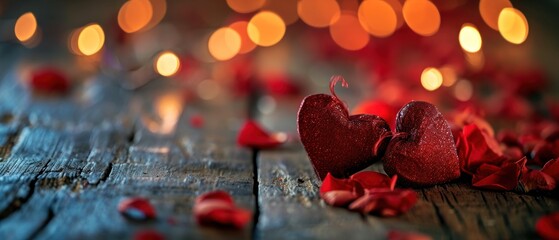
422 152
335 141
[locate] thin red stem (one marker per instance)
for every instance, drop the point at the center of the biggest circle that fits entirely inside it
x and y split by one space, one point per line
333 81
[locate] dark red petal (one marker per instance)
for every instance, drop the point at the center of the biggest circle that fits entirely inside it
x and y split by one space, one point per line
331 183
513 153
196 121
371 179
217 213
49 80
483 148
385 202
216 195
339 198
253 136
537 180
399 235
148 235
503 177
548 226
136 208
543 152
551 168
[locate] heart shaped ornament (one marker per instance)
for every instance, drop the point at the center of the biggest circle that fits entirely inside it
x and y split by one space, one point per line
335 141
422 151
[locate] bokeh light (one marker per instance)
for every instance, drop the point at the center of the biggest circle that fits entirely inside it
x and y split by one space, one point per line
208 89
159 9
245 6
266 28
348 34
25 27
469 38
476 61
167 64
513 25
73 41
490 10
168 108
134 15
464 90
422 16
224 43
378 18
241 28
318 13
431 79
91 39
286 9
397 7
449 75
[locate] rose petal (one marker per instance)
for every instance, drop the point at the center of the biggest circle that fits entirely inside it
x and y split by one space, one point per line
218 209
399 235
253 136
483 148
548 226
543 152
385 202
551 168
196 121
371 179
503 177
537 180
509 138
216 195
331 183
148 235
339 198
136 208
49 80
513 153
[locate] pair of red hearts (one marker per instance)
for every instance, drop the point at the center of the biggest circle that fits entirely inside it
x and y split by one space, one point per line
421 151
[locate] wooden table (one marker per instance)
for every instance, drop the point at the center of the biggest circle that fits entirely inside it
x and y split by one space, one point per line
66 162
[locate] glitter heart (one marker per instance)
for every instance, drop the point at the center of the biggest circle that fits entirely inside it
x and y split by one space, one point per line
422 151
335 141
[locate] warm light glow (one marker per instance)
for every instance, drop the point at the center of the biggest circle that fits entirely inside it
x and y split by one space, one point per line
91 39
224 43
348 34
168 108
73 41
464 90
422 16
377 17
167 64
25 27
449 75
241 28
159 9
318 13
431 79
476 60
266 28
490 10
207 89
286 9
513 25
397 7
245 6
134 15
469 38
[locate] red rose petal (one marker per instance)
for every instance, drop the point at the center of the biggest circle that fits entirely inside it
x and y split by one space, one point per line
494 177
385 202
543 152
49 80
216 195
148 235
483 149
551 168
218 209
371 179
399 235
548 226
136 209
339 198
537 180
196 121
331 183
253 136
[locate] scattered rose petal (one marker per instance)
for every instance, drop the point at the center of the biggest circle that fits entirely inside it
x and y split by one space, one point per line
137 208
385 202
339 198
49 80
543 152
509 138
536 180
331 183
400 235
551 168
483 149
548 226
217 209
468 116
196 121
371 179
148 235
550 133
503 177
513 153
253 136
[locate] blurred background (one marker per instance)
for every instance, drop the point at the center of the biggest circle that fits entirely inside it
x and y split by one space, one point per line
494 58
